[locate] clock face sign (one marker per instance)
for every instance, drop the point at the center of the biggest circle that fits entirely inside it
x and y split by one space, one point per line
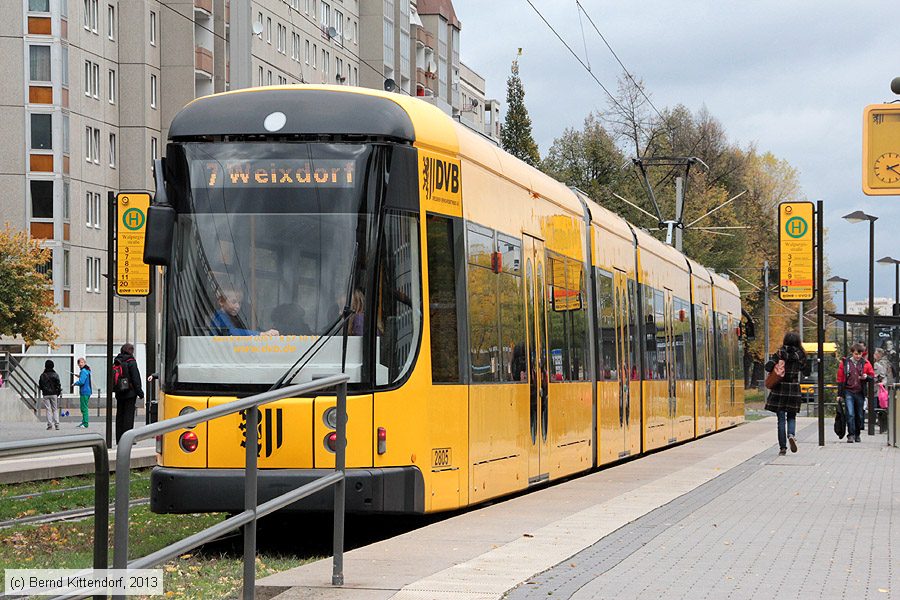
881 150
887 167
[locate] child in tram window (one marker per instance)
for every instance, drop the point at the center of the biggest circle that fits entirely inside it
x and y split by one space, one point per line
227 320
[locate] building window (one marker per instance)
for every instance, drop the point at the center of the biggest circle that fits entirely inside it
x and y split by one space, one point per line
260 73
306 51
154 148
324 14
66 201
91 79
95 156
259 19
281 41
64 58
152 28
268 30
39 63
65 133
39 6
152 91
42 200
91 8
315 57
111 22
111 84
339 27
64 8
41 131
92 145
112 150
269 77
66 269
92 274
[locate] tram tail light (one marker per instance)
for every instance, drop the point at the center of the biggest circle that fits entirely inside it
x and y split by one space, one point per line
188 441
382 440
331 441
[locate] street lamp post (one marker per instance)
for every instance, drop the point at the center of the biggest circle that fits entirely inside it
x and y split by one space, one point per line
858 217
887 260
841 280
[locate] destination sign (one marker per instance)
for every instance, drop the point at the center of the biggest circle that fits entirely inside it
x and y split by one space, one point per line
796 252
277 173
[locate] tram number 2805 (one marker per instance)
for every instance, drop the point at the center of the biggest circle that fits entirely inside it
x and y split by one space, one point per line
440 458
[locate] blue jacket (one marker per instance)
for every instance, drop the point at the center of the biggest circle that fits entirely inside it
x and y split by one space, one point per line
84 381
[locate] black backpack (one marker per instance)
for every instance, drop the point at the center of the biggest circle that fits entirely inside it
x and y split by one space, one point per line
121 381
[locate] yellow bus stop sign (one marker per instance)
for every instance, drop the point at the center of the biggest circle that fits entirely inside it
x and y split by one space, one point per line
796 251
132 273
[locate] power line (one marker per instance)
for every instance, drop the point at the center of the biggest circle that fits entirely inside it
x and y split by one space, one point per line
621 64
578 58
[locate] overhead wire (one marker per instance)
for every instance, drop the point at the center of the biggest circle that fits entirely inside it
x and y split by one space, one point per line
621 64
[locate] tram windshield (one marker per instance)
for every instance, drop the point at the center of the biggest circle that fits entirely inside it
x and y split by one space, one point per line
267 237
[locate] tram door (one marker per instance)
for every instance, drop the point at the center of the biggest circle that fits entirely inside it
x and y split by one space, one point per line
629 382
538 378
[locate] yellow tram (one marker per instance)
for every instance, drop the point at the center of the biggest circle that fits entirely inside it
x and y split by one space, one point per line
506 330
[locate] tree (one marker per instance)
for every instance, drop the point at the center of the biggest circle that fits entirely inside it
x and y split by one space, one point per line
516 137
25 298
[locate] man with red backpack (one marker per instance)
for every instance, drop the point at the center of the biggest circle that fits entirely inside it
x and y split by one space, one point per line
852 376
127 387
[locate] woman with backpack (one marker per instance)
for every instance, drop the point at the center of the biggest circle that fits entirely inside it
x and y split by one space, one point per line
127 387
85 391
51 389
785 397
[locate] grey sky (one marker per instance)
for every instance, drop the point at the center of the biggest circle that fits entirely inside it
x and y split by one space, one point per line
790 76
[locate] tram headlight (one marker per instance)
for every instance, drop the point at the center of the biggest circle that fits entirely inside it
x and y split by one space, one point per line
186 411
188 441
330 417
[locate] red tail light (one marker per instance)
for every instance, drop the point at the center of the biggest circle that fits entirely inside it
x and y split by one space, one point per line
331 441
188 441
382 440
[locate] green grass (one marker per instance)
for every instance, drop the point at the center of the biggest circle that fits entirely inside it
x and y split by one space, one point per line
69 545
42 503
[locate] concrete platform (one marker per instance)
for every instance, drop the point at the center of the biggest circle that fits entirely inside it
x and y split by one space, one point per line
50 465
719 517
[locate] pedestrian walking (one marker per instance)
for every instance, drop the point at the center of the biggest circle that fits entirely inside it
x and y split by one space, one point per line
51 390
785 398
84 390
127 387
884 370
852 376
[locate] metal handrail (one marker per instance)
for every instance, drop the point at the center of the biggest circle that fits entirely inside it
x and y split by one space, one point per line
101 481
14 372
252 511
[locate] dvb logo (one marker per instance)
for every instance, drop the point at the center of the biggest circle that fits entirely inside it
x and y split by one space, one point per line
439 176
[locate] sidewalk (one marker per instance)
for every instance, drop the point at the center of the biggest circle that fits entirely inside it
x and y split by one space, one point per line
63 463
720 517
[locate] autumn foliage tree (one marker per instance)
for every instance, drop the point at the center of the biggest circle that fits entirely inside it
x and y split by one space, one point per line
25 299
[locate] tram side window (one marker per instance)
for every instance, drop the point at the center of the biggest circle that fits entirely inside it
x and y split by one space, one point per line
661 368
399 313
633 335
567 322
484 330
683 349
650 327
606 328
723 352
512 311
738 355
442 304
700 335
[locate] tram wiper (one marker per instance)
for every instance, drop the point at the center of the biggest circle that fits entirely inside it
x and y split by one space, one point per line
336 326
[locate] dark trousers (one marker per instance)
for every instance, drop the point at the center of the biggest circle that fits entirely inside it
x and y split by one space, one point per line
124 415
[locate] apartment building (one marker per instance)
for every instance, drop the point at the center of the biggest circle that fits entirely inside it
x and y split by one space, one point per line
91 86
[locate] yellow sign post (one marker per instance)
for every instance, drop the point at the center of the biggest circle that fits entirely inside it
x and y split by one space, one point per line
881 150
132 273
795 246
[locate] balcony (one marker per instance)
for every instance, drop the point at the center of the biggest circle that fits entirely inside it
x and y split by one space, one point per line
203 61
204 6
